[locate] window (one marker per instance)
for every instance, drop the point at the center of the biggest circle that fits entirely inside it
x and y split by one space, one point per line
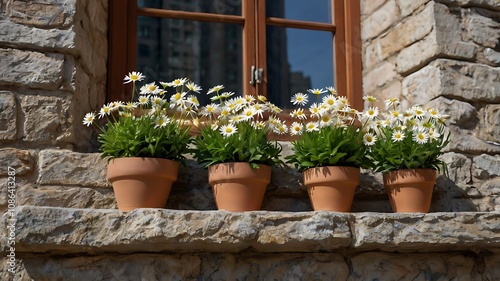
296 44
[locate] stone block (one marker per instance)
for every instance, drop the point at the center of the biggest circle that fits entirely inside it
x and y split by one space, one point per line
407 32
8 116
64 167
22 161
459 167
467 81
47 14
64 196
462 114
31 69
27 37
486 166
426 232
481 29
489 129
378 77
490 4
491 188
156 230
55 126
367 7
189 267
491 56
437 266
464 141
408 7
380 20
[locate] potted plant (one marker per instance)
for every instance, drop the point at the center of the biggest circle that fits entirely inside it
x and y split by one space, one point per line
405 146
329 150
233 145
144 140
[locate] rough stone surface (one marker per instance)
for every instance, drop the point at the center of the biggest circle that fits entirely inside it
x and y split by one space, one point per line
490 4
483 30
434 231
18 35
158 230
463 141
380 20
491 56
64 167
408 7
467 81
459 167
486 166
31 69
367 7
22 161
379 76
8 116
462 114
489 130
49 14
251 266
55 126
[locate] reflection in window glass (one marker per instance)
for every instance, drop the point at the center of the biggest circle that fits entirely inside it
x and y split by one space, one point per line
207 53
226 7
311 10
297 60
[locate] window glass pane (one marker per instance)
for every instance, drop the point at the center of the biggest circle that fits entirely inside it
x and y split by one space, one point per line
311 10
209 54
226 7
297 60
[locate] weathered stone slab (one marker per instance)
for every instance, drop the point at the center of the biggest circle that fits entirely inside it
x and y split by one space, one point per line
481 29
48 14
462 114
55 125
468 81
8 116
31 69
486 166
381 19
22 161
91 231
426 232
65 167
490 4
29 37
459 167
172 266
158 230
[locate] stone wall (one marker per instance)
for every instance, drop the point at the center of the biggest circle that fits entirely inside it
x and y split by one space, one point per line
443 54
53 56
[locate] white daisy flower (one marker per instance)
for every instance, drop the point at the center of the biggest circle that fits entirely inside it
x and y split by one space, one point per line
434 113
177 97
105 110
215 89
299 99
88 119
210 109
315 110
149 89
161 121
371 113
296 129
193 87
329 101
298 113
228 130
177 82
392 102
259 124
369 139
312 126
316 92
418 112
193 100
133 76
248 112
332 90
143 100
370 99
420 137
280 128
397 136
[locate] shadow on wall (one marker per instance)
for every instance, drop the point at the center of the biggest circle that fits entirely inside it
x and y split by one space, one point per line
287 193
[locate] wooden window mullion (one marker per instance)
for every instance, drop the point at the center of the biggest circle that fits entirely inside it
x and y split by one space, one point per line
249 44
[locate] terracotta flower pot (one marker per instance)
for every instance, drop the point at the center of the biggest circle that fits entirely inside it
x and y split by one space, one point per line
237 187
142 182
331 188
410 190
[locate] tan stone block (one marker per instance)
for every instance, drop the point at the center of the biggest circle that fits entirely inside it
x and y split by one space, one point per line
391 90
22 161
64 167
380 20
378 77
490 123
8 116
486 166
462 114
459 167
31 69
47 14
491 4
46 118
464 141
24 37
481 29
407 7
367 7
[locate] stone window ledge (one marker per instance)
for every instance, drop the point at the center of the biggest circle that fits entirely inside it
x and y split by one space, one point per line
99 231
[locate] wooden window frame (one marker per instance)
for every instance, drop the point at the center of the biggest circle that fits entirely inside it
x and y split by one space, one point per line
345 25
